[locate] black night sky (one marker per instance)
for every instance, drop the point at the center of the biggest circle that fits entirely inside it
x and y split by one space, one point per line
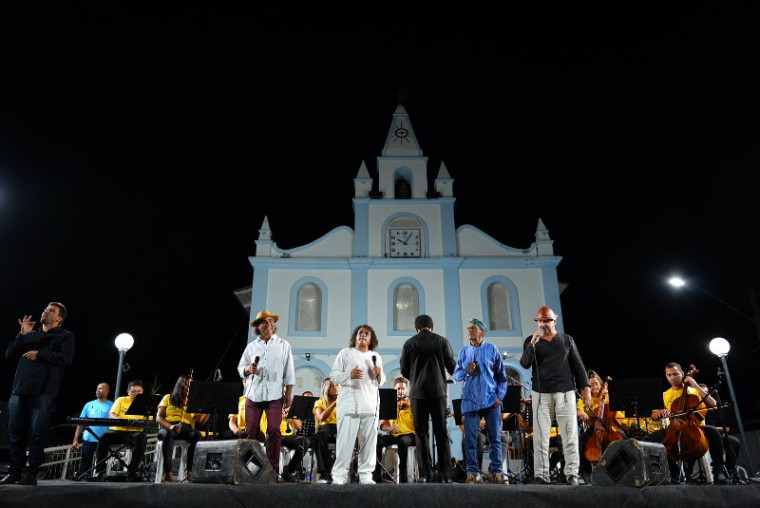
141 147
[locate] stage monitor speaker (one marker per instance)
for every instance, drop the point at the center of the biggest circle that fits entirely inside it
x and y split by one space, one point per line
234 461
632 463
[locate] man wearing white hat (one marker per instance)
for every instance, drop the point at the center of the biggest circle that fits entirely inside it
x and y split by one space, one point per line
267 362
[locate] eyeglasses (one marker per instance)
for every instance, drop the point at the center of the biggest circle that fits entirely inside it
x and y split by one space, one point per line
545 320
135 392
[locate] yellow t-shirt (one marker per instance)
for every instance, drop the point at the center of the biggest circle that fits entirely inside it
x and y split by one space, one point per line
405 422
670 395
174 413
120 408
241 413
333 418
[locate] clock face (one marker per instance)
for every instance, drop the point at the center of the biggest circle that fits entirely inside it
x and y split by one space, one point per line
405 243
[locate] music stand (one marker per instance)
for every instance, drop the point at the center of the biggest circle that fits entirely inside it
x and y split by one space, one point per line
388 411
388 401
457 403
300 409
637 397
511 402
145 404
214 398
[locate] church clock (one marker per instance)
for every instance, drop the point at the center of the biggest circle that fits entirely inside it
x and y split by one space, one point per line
405 243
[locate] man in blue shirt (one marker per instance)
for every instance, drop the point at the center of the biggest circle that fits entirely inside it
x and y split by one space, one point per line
485 385
98 408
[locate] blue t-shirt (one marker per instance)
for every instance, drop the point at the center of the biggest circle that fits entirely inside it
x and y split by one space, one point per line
95 409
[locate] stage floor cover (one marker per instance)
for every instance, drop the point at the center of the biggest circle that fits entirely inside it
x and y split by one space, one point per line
281 495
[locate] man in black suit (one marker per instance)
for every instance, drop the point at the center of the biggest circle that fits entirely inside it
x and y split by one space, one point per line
426 361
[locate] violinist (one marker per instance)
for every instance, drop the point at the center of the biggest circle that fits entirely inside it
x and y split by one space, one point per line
598 424
683 387
326 419
175 422
399 432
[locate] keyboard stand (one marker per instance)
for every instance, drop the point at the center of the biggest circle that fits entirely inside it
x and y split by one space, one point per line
112 454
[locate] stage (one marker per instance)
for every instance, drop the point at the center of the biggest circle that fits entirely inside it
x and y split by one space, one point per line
289 495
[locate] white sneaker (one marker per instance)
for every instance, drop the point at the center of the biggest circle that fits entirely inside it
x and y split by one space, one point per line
366 479
337 480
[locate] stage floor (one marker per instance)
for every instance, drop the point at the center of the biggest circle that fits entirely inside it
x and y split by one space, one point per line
287 495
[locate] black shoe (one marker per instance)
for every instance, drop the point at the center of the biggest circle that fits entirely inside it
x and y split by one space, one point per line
134 477
721 476
572 480
97 478
10 479
28 479
424 479
540 481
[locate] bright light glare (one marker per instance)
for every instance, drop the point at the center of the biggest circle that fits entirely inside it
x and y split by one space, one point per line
676 282
124 342
719 346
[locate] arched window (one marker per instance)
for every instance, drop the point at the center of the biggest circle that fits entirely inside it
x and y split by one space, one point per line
406 306
309 314
499 311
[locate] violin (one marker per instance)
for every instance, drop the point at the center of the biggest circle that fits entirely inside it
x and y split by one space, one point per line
606 429
684 437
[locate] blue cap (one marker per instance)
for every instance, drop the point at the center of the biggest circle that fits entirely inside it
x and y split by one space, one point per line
477 322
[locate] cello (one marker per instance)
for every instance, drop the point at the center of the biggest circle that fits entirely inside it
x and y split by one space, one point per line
684 437
605 429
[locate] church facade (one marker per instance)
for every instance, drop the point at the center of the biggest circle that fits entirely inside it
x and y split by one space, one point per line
403 256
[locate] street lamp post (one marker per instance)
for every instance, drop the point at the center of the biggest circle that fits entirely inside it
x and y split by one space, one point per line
124 343
720 347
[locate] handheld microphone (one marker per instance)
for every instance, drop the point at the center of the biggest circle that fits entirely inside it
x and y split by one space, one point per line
374 360
256 360
475 361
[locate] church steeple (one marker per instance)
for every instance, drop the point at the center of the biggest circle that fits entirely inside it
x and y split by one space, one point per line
401 141
401 167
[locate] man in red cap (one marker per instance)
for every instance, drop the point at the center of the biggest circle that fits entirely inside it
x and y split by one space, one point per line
267 362
557 372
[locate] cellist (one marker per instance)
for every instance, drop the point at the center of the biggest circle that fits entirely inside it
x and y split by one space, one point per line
682 385
591 417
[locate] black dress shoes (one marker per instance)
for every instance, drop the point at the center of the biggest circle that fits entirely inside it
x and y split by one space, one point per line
423 479
10 479
27 479
572 480
540 481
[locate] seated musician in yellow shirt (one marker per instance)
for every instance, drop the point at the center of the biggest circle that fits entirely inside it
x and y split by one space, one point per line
133 437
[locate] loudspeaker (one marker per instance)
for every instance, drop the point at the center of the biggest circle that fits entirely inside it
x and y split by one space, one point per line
632 463
234 461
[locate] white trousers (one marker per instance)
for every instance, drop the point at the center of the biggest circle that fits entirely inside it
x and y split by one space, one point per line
560 407
355 429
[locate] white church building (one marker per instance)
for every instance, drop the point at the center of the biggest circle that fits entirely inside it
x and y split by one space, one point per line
403 257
